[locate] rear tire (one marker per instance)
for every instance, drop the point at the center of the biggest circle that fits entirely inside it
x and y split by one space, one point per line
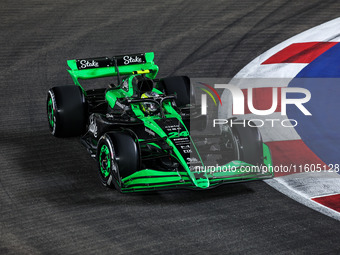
66 111
179 85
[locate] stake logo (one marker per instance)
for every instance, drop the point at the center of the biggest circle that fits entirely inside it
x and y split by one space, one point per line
135 59
88 64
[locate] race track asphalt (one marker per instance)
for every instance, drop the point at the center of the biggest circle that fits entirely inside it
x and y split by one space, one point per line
51 201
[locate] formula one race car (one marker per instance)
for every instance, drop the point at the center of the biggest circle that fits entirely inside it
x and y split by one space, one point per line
139 129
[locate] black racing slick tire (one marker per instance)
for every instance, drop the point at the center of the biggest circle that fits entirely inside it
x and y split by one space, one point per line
107 162
179 85
66 111
249 141
118 156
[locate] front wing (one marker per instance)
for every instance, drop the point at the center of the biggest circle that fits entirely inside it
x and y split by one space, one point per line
234 171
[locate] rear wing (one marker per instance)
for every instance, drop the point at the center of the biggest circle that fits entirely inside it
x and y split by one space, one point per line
91 68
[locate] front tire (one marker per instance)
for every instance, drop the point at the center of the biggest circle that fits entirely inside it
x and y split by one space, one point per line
118 156
250 143
107 163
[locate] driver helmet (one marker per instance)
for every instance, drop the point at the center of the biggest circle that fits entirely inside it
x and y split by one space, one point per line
149 107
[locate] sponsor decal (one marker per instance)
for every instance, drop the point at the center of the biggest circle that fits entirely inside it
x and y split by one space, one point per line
193 159
149 132
122 60
109 116
120 105
86 64
89 63
181 139
93 126
132 60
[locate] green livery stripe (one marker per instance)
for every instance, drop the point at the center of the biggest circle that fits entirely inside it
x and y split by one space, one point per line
155 180
154 184
163 185
153 177
150 172
50 112
155 145
267 159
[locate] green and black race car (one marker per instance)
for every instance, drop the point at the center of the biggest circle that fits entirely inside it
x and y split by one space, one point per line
140 129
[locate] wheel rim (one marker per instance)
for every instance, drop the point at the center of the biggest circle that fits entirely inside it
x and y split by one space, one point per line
50 112
105 161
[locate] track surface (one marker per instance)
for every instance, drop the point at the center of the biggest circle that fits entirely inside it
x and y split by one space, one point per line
51 201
